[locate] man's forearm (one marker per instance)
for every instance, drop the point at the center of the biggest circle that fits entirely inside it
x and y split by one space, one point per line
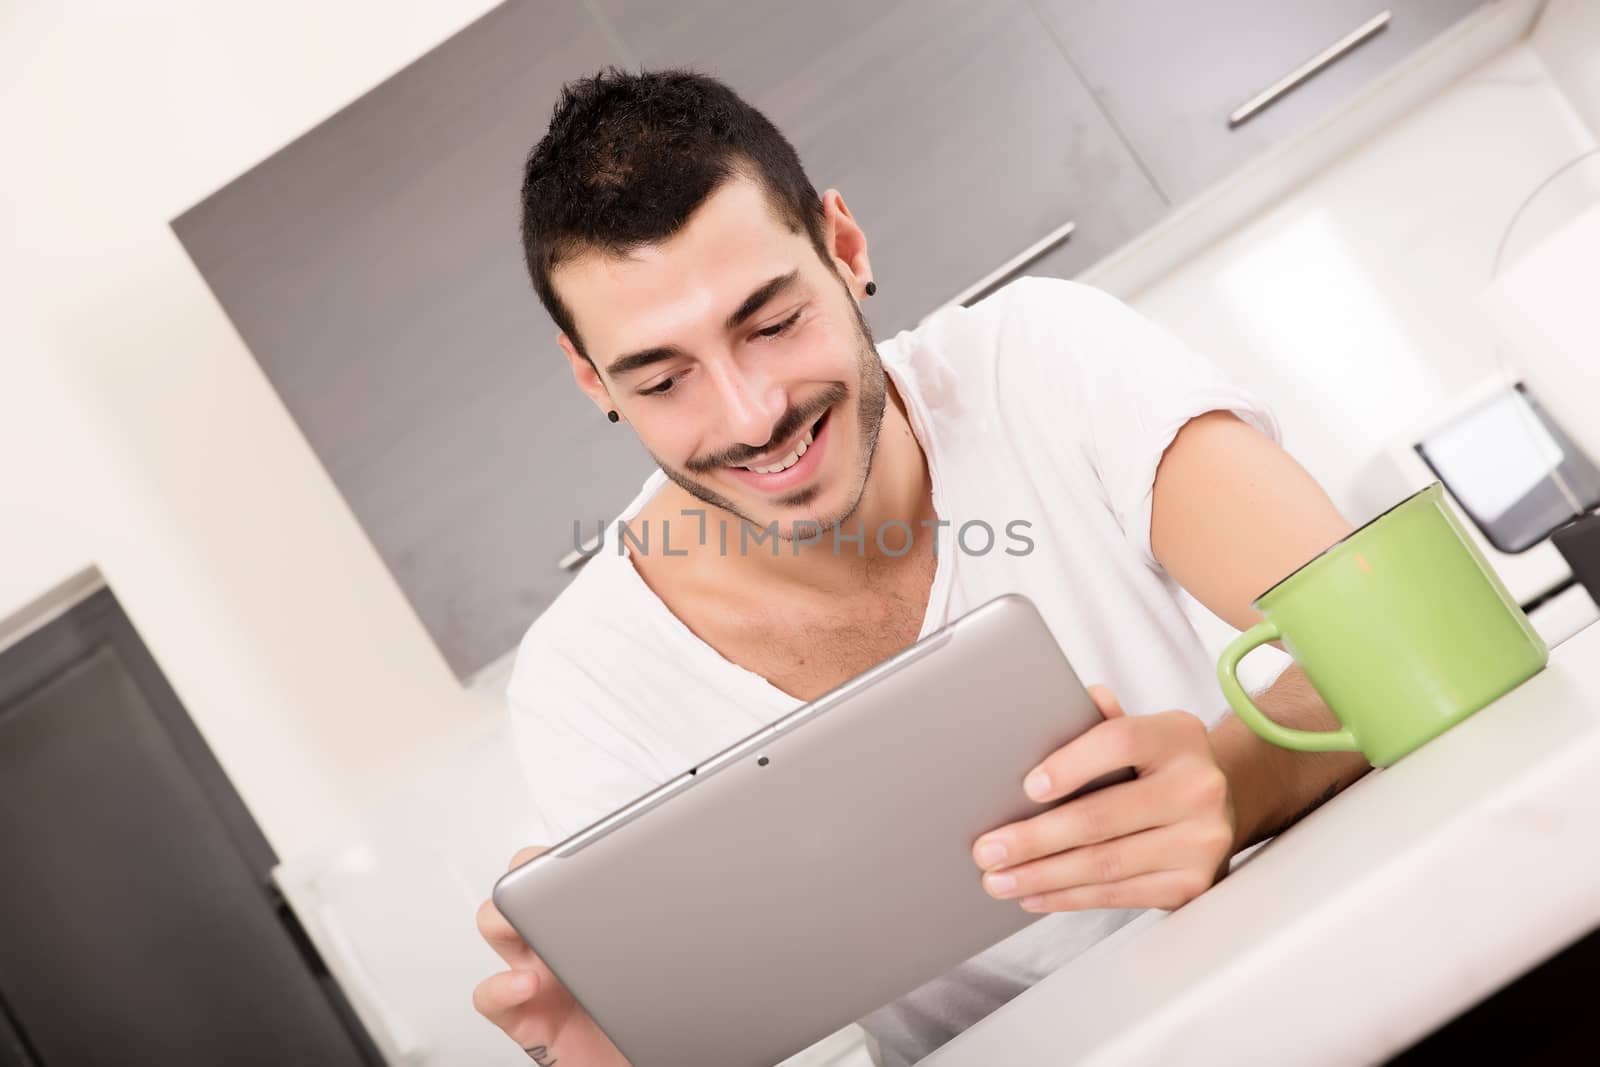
1273 788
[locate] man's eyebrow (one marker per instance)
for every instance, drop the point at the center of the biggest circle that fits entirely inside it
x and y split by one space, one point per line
759 297
643 358
753 303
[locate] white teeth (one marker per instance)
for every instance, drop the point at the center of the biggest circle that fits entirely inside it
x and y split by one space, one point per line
783 464
787 461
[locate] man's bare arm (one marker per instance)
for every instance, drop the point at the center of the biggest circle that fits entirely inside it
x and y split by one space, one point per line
1274 788
1233 513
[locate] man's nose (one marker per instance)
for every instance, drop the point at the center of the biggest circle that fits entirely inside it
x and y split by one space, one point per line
752 404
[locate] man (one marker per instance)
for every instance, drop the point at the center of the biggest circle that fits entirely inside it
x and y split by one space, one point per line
708 297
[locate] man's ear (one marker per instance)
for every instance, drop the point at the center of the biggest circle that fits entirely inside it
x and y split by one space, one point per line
584 373
847 242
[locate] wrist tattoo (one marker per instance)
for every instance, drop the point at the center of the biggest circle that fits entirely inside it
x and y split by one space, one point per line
1317 802
540 1054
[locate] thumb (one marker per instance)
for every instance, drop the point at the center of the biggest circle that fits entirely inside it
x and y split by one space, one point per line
1106 702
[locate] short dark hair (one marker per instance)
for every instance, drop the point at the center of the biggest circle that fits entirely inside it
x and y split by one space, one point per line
629 157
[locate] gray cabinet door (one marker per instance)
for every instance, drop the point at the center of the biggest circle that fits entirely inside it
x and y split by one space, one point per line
956 131
1170 72
374 269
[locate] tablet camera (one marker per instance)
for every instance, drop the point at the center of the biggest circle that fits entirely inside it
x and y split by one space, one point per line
762 762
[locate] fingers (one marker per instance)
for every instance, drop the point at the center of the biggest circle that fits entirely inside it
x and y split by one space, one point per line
1180 782
1167 890
500 934
503 937
1104 815
1168 848
523 855
1157 841
508 999
501 997
1138 741
1106 702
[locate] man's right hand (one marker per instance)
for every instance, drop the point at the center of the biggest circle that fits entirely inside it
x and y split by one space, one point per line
530 1004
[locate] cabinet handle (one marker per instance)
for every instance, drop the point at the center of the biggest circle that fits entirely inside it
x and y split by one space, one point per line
1002 274
1311 67
575 559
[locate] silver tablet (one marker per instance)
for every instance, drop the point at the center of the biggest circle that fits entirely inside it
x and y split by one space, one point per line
820 868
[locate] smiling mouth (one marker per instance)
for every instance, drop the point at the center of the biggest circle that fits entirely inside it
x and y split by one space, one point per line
788 460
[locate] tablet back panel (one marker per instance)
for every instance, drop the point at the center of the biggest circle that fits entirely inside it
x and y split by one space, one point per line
820 868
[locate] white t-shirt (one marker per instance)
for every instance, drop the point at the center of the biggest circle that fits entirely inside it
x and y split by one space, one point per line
1048 402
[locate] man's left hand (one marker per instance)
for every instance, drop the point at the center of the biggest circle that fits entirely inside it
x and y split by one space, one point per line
1158 841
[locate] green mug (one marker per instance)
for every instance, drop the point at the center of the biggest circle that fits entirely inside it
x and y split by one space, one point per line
1402 628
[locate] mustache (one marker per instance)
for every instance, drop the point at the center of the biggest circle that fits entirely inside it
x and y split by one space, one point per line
793 421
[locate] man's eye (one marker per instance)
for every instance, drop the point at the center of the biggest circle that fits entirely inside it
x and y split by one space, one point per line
661 388
781 328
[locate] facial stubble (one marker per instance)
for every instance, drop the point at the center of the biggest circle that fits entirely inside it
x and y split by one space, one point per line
870 407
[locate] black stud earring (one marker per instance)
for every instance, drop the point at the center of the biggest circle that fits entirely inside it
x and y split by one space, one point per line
613 416
872 287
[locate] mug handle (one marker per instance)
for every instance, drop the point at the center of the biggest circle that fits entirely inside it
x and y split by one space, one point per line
1282 736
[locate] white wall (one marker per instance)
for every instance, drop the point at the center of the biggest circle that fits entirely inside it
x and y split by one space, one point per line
1352 305
1567 38
137 434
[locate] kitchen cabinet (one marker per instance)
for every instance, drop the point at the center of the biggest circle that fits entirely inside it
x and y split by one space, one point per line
373 268
1169 73
957 132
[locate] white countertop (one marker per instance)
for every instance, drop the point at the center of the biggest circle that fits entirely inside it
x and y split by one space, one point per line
1405 900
